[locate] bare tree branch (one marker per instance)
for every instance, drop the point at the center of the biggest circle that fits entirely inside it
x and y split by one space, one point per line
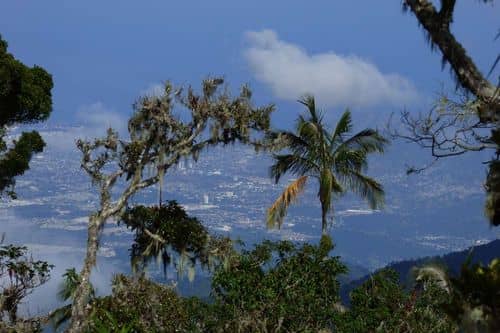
437 26
449 128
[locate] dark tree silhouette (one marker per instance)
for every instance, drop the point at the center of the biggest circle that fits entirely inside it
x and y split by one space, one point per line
25 97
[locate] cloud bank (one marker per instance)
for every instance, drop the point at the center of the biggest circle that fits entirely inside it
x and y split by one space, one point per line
98 118
93 121
335 80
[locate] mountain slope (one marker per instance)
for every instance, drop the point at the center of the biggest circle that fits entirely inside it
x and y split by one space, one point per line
453 261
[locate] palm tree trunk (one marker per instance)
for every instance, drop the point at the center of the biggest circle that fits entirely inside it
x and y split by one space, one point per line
324 222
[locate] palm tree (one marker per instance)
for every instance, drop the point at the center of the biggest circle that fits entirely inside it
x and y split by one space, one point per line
334 158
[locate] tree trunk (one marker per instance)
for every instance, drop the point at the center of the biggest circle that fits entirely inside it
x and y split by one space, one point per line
437 25
324 221
79 310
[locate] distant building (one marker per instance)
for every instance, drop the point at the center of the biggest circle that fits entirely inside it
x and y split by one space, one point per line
205 199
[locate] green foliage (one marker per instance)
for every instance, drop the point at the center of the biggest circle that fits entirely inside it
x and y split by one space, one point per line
283 287
279 286
374 301
381 304
25 93
475 297
19 275
173 229
473 302
25 97
167 234
335 158
139 305
110 324
71 279
15 161
275 287
492 206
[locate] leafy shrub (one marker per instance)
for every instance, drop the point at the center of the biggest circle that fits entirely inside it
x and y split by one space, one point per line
381 304
139 305
279 287
19 276
474 294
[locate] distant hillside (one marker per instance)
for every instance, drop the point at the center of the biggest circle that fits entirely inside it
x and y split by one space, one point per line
481 253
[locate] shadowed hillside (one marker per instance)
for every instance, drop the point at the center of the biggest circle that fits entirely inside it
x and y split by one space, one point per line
453 261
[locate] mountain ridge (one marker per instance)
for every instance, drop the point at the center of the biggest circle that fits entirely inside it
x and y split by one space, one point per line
453 261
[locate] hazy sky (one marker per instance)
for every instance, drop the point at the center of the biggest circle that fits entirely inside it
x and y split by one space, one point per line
365 54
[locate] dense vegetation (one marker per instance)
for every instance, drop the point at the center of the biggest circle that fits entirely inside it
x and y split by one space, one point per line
25 97
276 286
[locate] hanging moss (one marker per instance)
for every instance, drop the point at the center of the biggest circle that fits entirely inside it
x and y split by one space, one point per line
175 232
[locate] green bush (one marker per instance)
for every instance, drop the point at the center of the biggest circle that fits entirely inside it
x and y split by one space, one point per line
139 305
279 287
381 304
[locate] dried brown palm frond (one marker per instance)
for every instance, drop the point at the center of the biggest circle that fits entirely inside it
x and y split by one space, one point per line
277 211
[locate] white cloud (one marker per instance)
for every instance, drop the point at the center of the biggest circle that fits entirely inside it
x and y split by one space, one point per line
335 80
93 121
99 118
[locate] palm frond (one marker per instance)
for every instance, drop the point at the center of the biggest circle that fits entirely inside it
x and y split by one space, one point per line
366 187
309 102
295 143
368 140
344 126
348 160
277 212
68 286
290 163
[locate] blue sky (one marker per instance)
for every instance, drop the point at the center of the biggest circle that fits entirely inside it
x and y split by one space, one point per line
103 54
